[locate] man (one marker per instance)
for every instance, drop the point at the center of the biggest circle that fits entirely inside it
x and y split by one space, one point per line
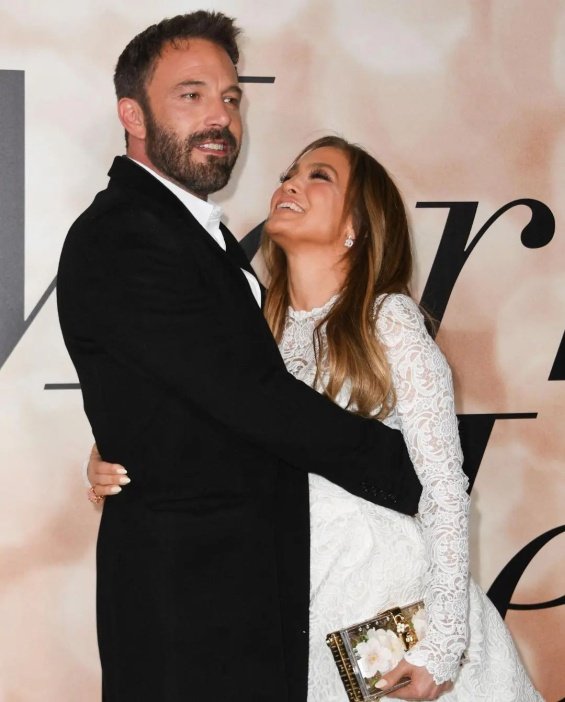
203 560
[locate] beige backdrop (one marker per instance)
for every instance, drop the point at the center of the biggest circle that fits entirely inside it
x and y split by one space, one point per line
462 100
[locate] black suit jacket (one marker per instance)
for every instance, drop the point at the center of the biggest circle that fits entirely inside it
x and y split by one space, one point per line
203 559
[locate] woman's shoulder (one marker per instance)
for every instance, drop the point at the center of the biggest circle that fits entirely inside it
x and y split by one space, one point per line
401 327
399 309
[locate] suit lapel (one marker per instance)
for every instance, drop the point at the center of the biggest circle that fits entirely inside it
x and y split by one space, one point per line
237 256
127 174
234 250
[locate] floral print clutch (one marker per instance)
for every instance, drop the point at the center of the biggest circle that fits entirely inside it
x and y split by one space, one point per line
366 651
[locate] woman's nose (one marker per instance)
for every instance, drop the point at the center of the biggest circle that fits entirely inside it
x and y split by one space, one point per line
290 185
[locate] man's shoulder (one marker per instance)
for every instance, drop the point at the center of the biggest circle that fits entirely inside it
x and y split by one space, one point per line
117 212
106 215
132 194
119 231
133 212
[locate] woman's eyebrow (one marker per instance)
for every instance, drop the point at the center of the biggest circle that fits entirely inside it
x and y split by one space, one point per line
321 164
290 171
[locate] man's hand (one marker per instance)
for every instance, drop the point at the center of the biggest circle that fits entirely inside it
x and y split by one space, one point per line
106 478
421 687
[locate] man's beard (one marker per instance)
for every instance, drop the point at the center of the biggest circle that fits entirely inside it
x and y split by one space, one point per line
172 156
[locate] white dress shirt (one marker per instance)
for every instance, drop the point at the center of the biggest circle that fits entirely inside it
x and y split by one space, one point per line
208 215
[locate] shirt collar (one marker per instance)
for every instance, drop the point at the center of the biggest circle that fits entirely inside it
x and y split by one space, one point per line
206 213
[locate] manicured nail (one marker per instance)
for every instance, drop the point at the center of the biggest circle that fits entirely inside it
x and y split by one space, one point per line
381 684
125 481
115 489
121 471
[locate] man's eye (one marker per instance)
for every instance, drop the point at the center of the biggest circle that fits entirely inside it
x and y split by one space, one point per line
191 96
232 101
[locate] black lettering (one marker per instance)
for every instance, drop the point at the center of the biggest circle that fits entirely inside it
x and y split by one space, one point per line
475 431
503 587
13 324
558 370
453 250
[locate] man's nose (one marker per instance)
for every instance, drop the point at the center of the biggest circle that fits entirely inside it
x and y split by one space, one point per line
218 114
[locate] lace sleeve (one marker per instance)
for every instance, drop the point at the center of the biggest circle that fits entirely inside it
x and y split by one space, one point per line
425 408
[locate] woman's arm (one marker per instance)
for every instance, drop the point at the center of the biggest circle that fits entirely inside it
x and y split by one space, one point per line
105 479
425 406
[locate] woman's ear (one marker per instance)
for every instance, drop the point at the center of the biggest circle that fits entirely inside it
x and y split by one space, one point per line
348 233
132 117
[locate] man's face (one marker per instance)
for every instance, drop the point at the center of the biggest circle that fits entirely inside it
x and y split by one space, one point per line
192 118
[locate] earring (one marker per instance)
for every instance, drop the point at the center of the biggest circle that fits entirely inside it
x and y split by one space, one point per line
350 240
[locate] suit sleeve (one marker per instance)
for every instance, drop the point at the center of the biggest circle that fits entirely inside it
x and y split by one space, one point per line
160 317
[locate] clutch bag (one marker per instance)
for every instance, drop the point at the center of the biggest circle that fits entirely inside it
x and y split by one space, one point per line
365 652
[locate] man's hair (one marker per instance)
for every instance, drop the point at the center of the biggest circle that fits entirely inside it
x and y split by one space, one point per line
138 60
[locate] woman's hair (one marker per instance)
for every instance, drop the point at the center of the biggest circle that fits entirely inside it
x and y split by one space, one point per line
380 262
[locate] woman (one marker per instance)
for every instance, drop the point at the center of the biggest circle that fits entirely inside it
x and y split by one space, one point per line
338 253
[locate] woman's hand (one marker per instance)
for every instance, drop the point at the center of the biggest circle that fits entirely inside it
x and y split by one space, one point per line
421 687
106 478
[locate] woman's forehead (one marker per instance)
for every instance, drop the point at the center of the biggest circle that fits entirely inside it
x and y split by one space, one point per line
322 155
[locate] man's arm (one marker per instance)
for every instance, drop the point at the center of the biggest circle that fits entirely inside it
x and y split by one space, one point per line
160 318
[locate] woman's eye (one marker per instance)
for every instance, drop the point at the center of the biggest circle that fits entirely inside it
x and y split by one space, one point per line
320 174
283 177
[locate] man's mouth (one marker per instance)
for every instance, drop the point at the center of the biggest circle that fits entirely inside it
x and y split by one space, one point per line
214 147
214 142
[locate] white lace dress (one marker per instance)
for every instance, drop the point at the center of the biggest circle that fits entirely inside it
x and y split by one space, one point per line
365 558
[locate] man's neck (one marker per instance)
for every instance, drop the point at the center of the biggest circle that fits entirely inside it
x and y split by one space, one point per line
143 159
206 212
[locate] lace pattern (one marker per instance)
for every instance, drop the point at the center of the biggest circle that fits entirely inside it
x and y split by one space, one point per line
425 414
364 557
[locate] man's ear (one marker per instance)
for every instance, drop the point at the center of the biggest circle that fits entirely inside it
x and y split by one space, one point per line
132 117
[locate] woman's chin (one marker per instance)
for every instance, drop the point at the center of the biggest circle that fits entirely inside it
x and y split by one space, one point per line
274 230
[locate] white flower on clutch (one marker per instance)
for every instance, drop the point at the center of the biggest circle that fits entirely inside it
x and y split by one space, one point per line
380 653
420 624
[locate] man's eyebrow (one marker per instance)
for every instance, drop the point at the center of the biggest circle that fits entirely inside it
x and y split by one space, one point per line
234 89
190 83
199 83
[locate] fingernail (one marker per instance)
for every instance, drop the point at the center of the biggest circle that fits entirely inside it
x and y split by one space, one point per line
381 684
115 489
121 471
125 481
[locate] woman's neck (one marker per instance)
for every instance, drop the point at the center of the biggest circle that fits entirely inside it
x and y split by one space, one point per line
312 281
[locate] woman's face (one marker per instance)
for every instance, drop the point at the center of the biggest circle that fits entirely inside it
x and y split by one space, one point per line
307 208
